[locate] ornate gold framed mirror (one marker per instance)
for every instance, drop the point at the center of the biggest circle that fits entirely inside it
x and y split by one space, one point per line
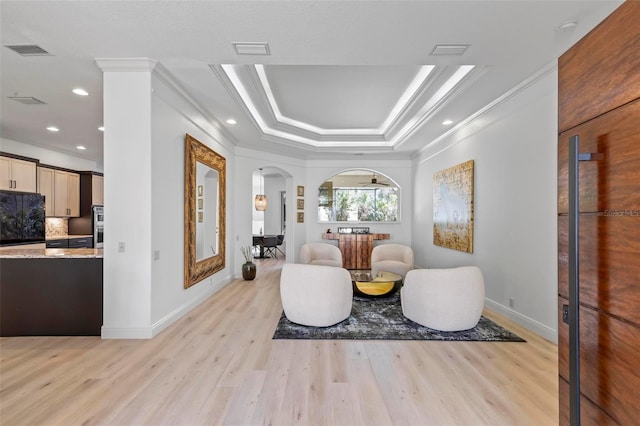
204 211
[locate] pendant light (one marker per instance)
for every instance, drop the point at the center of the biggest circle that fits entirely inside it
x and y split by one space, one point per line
261 199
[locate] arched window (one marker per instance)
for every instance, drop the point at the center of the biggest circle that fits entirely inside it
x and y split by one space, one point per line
358 196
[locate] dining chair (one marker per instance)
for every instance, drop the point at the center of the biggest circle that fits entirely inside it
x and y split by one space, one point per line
270 244
279 243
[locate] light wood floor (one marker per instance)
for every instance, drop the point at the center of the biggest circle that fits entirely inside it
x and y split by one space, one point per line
219 365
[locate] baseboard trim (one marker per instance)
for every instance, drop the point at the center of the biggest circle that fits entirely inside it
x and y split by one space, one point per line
528 323
179 312
166 321
126 333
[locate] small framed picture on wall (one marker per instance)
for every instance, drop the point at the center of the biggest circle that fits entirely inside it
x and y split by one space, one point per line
300 217
300 203
300 191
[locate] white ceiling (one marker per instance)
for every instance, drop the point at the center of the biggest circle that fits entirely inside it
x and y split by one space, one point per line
339 72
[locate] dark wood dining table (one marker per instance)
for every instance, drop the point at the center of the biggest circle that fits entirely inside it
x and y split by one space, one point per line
258 240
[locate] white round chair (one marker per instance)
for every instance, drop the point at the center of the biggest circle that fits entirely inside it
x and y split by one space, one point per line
315 295
396 258
320 254
444 299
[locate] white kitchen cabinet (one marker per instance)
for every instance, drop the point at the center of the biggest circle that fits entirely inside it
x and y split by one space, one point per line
17 175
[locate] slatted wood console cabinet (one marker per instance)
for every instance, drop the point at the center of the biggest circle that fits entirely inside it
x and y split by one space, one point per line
356 248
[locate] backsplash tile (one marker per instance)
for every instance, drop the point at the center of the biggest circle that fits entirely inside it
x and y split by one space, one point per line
56 227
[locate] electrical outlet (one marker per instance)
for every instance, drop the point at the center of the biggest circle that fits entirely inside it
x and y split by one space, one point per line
565 314
156 255
121 247
511 302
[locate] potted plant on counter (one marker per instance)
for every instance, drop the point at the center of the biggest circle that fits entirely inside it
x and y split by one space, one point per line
248 268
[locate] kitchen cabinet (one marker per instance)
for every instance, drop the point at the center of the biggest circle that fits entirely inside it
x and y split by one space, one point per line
51 295
66 197
77 242
81 242
45 187
61 190
97 190
59 243
17 174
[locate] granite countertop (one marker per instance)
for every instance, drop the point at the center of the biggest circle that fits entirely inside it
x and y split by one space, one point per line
41 253
65 237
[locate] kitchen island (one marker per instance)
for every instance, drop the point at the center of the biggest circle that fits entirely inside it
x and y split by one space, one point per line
50 292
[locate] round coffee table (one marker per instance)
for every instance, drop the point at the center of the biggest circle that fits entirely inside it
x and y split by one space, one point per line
384 284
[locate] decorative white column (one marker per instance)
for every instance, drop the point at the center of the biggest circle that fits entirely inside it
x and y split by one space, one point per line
127 197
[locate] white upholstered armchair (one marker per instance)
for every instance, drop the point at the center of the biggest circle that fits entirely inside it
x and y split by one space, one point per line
321 254
444 299
396 258
315 295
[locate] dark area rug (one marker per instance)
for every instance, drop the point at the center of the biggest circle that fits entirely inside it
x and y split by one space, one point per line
382 319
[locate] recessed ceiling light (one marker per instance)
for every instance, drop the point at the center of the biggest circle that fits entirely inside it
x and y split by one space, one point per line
231 121
447 122
80 92
101 128
53 129
81 147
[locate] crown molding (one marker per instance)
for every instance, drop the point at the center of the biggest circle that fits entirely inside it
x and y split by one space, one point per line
508 95
439 102
126 64
164 75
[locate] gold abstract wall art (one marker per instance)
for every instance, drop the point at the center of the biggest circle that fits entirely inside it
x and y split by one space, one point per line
453 207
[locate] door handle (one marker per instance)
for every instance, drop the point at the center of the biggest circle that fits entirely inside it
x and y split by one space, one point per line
573 314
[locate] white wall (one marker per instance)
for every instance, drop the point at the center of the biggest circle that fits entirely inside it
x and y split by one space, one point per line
515 237
48 157
173 117
146 119
127 198
272 216
400 171
293 172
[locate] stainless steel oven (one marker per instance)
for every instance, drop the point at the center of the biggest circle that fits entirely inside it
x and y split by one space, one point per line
98 226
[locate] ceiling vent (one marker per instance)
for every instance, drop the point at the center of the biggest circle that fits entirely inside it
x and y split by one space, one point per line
28 49
252 48
27 100
449 49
